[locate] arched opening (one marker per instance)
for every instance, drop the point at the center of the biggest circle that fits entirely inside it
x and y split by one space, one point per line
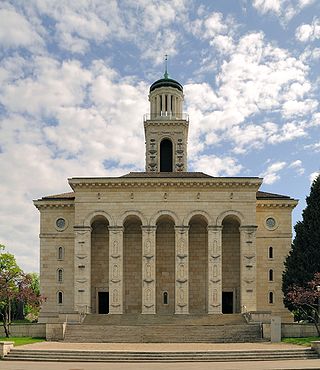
270 252
270 275
198 265
60 298
166 160
132 269
230 265
60 275
60 253
271 297
99 265
165 264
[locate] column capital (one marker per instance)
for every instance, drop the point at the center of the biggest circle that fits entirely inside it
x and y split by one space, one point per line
182 228
248 228
116 228
148 228
81 228
214 227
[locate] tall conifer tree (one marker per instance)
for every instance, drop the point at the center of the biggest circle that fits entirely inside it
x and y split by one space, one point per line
303 260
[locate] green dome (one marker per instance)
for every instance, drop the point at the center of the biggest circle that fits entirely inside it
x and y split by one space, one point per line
166 82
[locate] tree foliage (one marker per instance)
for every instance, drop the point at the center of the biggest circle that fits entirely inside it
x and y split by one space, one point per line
306 300
15 286
303 260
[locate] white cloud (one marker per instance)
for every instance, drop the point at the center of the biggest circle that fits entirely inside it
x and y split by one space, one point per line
16 31
309 32
284 9
271 175
297 166
315 147
293 108
216 166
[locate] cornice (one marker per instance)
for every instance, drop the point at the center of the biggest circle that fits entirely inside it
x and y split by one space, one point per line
251 184
53 204
277 203
164 122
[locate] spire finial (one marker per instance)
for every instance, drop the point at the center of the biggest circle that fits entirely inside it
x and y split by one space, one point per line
166 75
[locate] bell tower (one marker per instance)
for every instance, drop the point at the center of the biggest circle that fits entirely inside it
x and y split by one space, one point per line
166 127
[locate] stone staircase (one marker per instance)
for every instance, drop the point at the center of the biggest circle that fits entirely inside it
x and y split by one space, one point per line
163 329
158 356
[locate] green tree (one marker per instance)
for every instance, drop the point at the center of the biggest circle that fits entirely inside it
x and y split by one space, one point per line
15 286
303 260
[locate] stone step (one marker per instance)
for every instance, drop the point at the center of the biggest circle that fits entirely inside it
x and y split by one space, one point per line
158 356
139 319
163 333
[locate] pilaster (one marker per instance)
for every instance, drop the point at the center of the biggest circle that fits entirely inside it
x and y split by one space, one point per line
181 269
214 269
82 269
116 269
248 268
148 269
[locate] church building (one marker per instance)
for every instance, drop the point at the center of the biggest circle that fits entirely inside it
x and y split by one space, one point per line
165 241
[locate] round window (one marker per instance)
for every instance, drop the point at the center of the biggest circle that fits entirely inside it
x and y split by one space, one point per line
61 224
271 223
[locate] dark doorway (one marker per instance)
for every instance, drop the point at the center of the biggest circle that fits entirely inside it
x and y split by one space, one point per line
227 302
166 156
103 298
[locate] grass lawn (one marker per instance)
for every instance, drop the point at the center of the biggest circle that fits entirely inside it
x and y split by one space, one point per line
20 341
301 341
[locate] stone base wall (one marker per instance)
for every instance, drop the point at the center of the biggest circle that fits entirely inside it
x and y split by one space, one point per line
292 331
26 330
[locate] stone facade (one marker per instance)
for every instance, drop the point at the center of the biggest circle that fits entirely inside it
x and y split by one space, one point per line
172 242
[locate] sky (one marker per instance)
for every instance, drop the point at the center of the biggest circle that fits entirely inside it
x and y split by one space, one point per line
74 80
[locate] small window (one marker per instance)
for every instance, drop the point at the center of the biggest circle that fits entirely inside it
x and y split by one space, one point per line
270 252
271 298
270 275
60 298
60 253
165 298
60 275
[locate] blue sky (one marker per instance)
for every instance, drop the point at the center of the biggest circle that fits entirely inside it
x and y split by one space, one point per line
74 78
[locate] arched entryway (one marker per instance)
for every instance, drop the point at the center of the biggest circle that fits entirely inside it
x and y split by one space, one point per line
165 265
198 265
230 265
132 264
99 265
166 156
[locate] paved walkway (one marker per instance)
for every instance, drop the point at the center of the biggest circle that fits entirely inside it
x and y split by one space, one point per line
248 365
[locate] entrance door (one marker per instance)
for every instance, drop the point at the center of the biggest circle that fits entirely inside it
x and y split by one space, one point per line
103 298
227 302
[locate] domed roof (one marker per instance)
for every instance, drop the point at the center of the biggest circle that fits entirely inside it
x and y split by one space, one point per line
166 82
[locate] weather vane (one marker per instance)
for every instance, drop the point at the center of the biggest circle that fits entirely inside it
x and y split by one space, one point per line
166 75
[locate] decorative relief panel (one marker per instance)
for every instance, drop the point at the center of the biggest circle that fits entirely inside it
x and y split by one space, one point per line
116 269
214 269
182 270
148 269
248 267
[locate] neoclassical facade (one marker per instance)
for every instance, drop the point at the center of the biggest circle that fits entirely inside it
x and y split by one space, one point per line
165 241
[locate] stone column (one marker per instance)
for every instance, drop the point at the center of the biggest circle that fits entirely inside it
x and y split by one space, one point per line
149 269
248 268
214 269
82 269
169 104
116 269
182 269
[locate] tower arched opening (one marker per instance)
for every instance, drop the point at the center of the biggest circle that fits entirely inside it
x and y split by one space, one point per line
166 156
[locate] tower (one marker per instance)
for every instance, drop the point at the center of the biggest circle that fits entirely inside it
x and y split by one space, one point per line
166 127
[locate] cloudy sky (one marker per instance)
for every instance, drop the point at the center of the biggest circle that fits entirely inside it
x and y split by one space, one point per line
74 78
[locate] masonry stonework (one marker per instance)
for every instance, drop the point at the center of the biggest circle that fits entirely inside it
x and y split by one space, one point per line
163 242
